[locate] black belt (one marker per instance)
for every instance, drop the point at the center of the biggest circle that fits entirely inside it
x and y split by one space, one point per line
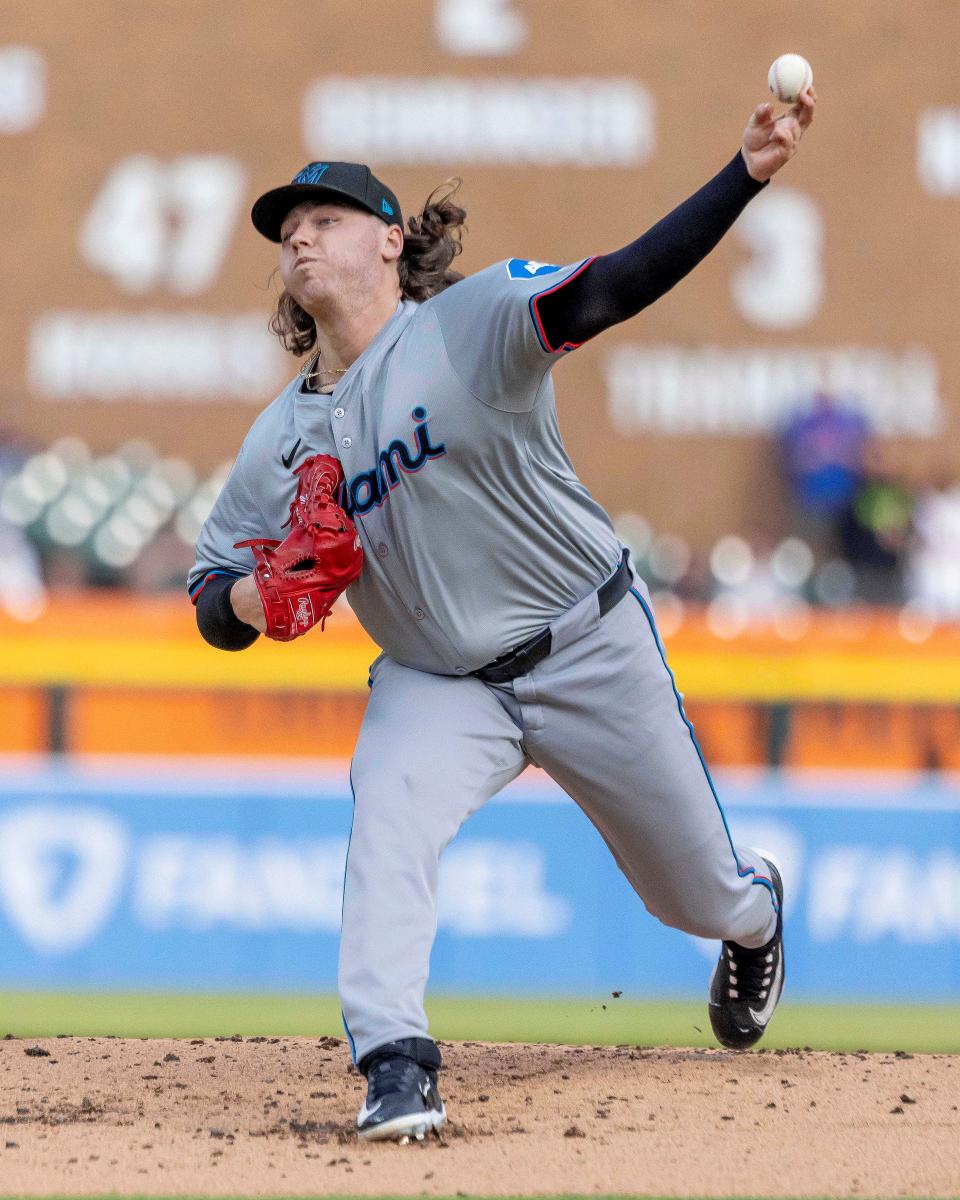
525 657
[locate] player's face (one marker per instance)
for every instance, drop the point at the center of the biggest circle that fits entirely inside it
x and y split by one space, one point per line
331 252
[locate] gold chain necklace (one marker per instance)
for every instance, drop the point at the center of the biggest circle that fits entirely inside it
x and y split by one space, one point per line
308 375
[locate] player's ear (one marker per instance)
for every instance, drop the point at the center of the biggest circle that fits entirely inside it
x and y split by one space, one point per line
392 244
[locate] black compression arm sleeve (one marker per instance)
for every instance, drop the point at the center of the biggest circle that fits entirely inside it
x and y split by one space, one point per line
617 286
216 620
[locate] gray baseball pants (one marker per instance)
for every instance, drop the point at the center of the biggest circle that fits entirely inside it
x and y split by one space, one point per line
602 717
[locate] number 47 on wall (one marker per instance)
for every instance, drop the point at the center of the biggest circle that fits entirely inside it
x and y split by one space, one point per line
164 224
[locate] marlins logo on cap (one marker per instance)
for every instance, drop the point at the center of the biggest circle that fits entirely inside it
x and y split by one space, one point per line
312 173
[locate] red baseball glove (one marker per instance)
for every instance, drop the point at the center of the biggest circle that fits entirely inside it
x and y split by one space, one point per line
299 578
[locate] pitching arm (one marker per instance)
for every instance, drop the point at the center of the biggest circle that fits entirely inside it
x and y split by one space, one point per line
617 286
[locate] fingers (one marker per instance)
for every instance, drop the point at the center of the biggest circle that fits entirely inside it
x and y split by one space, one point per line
796 119
804 107
769 142
786 135
761 115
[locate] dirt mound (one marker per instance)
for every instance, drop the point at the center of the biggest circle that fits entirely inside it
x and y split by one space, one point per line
263 1116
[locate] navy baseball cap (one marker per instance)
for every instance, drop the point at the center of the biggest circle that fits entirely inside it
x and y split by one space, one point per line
330 181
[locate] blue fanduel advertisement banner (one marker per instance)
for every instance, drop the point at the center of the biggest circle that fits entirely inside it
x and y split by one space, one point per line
183 877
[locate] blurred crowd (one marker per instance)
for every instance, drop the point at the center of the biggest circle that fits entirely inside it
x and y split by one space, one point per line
861 532
857 530
897 531
73 519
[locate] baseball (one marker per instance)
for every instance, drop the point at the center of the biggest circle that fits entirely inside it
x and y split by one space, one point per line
788 76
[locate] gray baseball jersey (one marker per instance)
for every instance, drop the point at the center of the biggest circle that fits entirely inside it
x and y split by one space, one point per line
476 531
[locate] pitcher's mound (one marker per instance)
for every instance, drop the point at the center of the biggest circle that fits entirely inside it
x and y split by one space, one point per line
275 1116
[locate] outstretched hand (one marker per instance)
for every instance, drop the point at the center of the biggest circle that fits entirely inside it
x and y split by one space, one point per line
769 143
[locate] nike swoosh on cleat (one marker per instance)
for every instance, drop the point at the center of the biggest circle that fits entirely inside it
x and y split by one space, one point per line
287 459
367 1112
765 1013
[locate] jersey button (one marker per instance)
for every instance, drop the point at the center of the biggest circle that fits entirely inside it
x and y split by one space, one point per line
382 550
347 443
461 670
419 613
339 412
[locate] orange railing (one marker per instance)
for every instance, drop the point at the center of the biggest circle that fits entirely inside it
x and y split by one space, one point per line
111 672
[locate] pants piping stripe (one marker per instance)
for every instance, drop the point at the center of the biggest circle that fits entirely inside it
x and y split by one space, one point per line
343 896
742 871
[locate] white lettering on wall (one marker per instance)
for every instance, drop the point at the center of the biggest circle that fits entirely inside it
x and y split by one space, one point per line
152 356
938 151
206 882
488 27
490 888
160 224
486 888
781 286
714 390
834 888
582 121
23 88
866 894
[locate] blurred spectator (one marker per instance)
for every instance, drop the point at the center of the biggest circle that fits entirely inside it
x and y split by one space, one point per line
822 450
14 451
22 593
874 532
933 567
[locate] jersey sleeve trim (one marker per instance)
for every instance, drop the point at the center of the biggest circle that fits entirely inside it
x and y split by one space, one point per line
535 312
201 583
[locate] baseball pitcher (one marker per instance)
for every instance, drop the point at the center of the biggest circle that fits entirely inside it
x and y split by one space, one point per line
416 462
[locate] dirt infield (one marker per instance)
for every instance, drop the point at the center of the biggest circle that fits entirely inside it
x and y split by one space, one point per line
271 1116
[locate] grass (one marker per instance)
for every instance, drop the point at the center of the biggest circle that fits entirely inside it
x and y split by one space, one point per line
913 1028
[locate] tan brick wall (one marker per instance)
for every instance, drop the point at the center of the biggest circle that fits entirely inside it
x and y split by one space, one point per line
168 79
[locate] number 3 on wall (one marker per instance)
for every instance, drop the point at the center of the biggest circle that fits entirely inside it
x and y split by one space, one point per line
782 285
161 224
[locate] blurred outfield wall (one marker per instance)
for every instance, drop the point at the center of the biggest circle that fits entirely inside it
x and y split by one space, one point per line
223 870
169 877
116 673
133 140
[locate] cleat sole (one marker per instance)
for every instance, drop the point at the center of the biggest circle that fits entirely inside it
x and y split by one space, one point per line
402 1129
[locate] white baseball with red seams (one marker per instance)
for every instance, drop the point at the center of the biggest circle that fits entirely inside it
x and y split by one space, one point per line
789 75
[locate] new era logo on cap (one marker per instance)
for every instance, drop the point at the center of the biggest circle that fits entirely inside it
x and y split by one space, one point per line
386 208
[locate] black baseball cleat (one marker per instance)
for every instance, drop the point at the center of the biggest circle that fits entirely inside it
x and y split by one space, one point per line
746 984
402 1097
